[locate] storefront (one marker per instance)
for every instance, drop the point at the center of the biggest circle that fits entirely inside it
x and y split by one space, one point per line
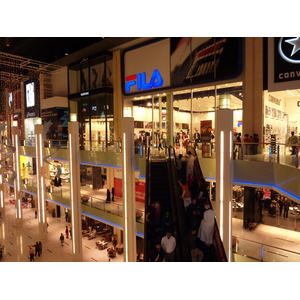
91 100
172 88
282 99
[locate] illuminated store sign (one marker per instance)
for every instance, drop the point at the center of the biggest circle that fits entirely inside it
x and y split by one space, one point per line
286 59
289 53
166 63
140 81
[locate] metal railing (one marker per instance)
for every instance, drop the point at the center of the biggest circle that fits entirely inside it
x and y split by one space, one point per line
90 200
246 250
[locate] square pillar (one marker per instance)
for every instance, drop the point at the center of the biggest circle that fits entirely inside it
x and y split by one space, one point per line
128 185
224 176
74 152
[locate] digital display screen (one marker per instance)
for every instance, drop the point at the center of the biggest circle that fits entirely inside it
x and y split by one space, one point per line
10 99
30 94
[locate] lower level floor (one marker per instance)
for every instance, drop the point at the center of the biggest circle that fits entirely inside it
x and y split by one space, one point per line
280 244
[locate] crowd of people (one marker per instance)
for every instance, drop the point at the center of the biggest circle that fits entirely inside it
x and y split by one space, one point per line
249 144
198 216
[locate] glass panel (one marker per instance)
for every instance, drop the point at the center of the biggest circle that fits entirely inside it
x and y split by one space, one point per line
73 106
74 81
182 104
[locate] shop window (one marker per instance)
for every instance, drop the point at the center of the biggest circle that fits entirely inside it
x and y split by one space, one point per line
127 112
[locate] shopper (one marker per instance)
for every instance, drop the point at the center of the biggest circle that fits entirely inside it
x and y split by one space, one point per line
107 196
286 207
31 254
157 215
157 254
247 146
67 232
196 254
190 163
62 239
67 216
40 244
280 203
168 243
167 221
293 140
1 250
206 229
37 248
185 194
70 232
113 194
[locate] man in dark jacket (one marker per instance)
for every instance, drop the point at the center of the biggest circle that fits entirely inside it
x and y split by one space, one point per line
157 254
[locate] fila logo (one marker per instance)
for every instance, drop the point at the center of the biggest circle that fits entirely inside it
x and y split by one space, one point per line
140 81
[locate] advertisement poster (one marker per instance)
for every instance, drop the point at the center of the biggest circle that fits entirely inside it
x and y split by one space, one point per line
206 128
140 189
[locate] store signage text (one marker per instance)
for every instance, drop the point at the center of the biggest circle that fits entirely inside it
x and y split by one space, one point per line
274 100
298 103
140 81
84 94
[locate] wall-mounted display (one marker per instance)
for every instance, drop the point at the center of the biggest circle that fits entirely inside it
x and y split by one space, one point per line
29 88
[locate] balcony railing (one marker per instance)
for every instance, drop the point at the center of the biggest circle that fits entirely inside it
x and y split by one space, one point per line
90 200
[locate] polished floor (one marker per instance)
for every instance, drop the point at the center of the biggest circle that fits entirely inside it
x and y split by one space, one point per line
280 244
18 236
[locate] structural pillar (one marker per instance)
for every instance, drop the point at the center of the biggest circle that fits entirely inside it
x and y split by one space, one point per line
253 104
128 192
40 180
2 202
75 190
16 168
224 176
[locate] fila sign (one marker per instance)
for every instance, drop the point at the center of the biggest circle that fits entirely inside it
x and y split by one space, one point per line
140 81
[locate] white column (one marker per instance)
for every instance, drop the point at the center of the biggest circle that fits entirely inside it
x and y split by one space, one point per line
40 181
2 202
75 191
16 168
224 176
128 184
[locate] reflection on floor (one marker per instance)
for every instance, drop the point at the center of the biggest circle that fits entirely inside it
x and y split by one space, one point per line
278 236
18 236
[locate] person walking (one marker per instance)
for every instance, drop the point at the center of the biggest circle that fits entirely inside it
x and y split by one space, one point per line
31 254
113 194
37 248
70 231
185 194
40 244
168 243
189 163
293 140
62 239
107 196
67 232
286 207
1 250
196 253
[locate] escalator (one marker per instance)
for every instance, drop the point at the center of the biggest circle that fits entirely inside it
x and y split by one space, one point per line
162 186
216 252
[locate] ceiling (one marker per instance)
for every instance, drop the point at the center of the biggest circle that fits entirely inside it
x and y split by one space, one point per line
20 55
45 49
51 49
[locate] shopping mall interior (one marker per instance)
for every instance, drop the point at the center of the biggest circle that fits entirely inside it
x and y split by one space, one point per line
91 144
